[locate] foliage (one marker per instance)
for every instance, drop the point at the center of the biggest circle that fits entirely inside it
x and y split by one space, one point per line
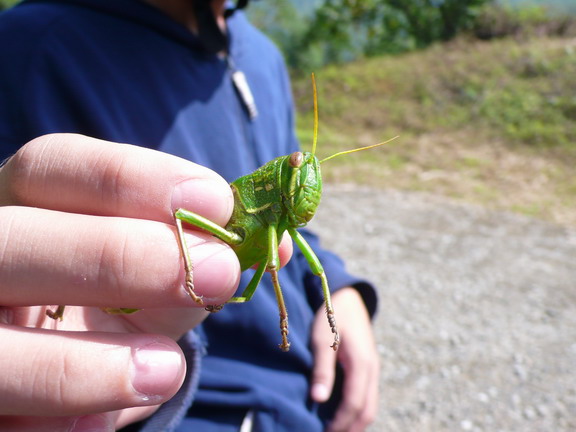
497 21
5 4
514 91
337 31
281 22
341 30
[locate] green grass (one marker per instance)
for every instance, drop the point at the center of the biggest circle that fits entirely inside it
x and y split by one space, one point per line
486 122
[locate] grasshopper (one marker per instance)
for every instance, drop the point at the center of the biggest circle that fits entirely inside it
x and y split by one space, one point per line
280 196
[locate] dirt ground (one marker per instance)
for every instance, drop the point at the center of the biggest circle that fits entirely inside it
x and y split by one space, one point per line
477 319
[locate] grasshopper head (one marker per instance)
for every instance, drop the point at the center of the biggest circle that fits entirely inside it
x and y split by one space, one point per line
303 188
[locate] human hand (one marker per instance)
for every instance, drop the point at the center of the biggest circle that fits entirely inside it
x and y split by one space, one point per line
359 359
89 223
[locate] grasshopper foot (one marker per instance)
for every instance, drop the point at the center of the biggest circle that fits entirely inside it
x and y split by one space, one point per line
190 289
213 308
334 328
58 314
285 345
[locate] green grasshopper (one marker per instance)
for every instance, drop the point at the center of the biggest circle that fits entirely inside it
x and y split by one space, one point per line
280 196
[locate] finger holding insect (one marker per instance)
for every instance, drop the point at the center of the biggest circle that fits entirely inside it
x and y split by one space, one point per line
53 257
75 173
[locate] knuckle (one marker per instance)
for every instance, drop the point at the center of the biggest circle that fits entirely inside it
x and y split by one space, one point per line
118 270
353 407
127 269
367 417
114 179
18 171
46 382
323 375
57 383
113 263
20 168
368 359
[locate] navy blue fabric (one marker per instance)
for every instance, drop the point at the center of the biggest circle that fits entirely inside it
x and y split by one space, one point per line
122 71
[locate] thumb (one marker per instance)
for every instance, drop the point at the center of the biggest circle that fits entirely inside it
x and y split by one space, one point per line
324 369
65 373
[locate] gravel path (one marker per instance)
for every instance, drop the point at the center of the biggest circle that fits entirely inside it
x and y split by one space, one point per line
477 321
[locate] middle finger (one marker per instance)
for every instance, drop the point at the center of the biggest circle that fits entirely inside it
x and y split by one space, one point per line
64 258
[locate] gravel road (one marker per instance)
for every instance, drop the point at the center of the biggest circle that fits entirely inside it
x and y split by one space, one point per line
477 321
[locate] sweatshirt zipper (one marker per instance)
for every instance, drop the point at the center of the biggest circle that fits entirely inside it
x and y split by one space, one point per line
243 89
246 107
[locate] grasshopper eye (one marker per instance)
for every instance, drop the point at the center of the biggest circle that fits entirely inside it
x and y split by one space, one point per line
296 159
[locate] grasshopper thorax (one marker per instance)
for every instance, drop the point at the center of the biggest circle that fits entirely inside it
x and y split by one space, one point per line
301 187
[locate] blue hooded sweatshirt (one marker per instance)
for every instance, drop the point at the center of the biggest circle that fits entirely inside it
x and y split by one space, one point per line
123 71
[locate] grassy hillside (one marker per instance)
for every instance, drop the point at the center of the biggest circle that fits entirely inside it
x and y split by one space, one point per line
492 123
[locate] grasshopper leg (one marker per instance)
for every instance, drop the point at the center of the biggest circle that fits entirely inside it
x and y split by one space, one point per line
272 266
251 287
285 345
249 292
188 266
318 270
209 226
213 308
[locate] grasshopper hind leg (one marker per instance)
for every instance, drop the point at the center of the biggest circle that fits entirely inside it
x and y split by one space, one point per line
285 345
334 328
318 270
188 266
249 292
208 226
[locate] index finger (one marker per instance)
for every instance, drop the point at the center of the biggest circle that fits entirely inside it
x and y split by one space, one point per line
79 174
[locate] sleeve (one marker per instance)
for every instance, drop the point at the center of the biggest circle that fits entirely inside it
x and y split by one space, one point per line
337 275
169 415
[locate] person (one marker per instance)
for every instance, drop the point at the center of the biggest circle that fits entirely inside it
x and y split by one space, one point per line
189 79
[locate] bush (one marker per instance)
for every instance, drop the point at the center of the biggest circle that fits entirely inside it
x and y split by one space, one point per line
343 30
497 21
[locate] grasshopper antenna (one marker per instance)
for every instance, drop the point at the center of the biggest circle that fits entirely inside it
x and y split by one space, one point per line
315 92
357 149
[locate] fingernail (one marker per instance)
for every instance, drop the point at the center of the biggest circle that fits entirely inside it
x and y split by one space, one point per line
156 370
210 198
320 392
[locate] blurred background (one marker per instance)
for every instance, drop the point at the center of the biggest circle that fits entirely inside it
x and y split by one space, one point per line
483 94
